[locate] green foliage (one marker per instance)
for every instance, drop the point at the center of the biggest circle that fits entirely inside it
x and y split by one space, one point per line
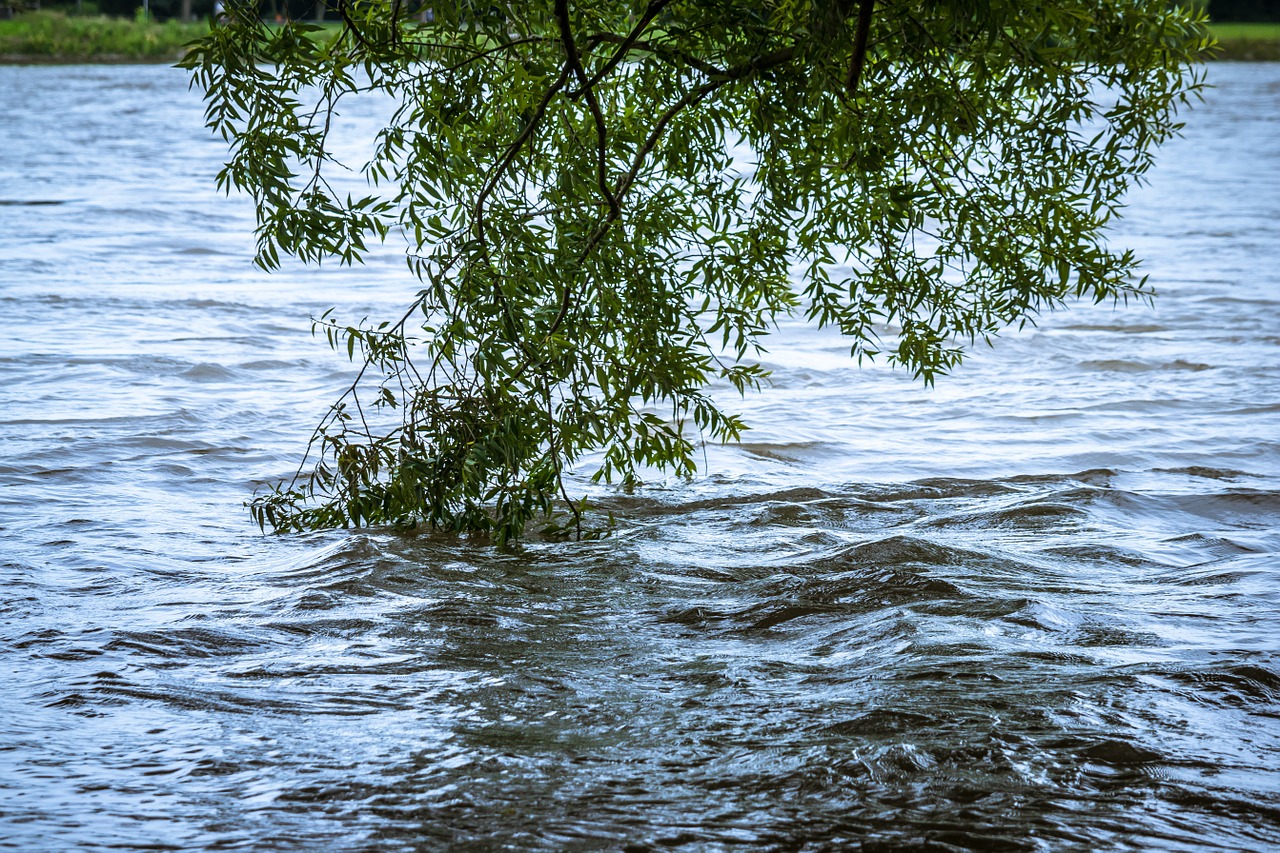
1247 42
594 260
53 35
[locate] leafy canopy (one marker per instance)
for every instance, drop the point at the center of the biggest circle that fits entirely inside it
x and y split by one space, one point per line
608 205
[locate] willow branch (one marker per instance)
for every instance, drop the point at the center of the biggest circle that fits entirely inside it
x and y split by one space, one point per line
350 24
690 99
650 12
865 10
602 139
506 45
515 147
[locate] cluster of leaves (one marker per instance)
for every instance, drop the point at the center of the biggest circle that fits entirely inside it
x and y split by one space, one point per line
609 204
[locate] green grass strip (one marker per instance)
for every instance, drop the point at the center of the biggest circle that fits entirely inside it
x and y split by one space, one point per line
1247 42
56 37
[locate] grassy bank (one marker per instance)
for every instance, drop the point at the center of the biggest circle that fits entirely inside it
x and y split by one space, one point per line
1247 42
55 37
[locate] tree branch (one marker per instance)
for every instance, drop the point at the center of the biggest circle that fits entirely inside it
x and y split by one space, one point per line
690 99
865 10
662 51
602 139
624 47
341 8
514 148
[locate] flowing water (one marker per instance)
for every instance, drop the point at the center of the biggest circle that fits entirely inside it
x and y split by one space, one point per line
1035 608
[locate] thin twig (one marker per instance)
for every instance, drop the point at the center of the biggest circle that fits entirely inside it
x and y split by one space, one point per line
624 47
662 51
690 99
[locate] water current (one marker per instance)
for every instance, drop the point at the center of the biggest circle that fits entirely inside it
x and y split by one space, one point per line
1033 608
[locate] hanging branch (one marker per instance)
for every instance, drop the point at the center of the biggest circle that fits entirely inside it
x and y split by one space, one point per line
865 10
341 9
602 139
624 47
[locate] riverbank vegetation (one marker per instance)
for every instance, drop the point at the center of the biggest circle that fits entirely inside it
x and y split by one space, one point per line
64 36
60 37
1247 42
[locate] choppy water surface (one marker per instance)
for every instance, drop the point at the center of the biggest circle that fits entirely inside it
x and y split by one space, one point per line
1035 608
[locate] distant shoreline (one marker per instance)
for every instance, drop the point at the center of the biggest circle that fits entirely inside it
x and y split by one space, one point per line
51 38
1247 42
55 38
95 59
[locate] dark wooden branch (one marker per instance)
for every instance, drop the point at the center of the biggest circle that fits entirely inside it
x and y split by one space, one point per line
350 24
624 47
516 145
865 10
506 45
691 98
662 51
602 138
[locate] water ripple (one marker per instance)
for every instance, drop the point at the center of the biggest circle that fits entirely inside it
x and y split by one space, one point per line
1034 608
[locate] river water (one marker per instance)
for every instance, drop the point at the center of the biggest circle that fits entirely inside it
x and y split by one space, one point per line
1034 608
